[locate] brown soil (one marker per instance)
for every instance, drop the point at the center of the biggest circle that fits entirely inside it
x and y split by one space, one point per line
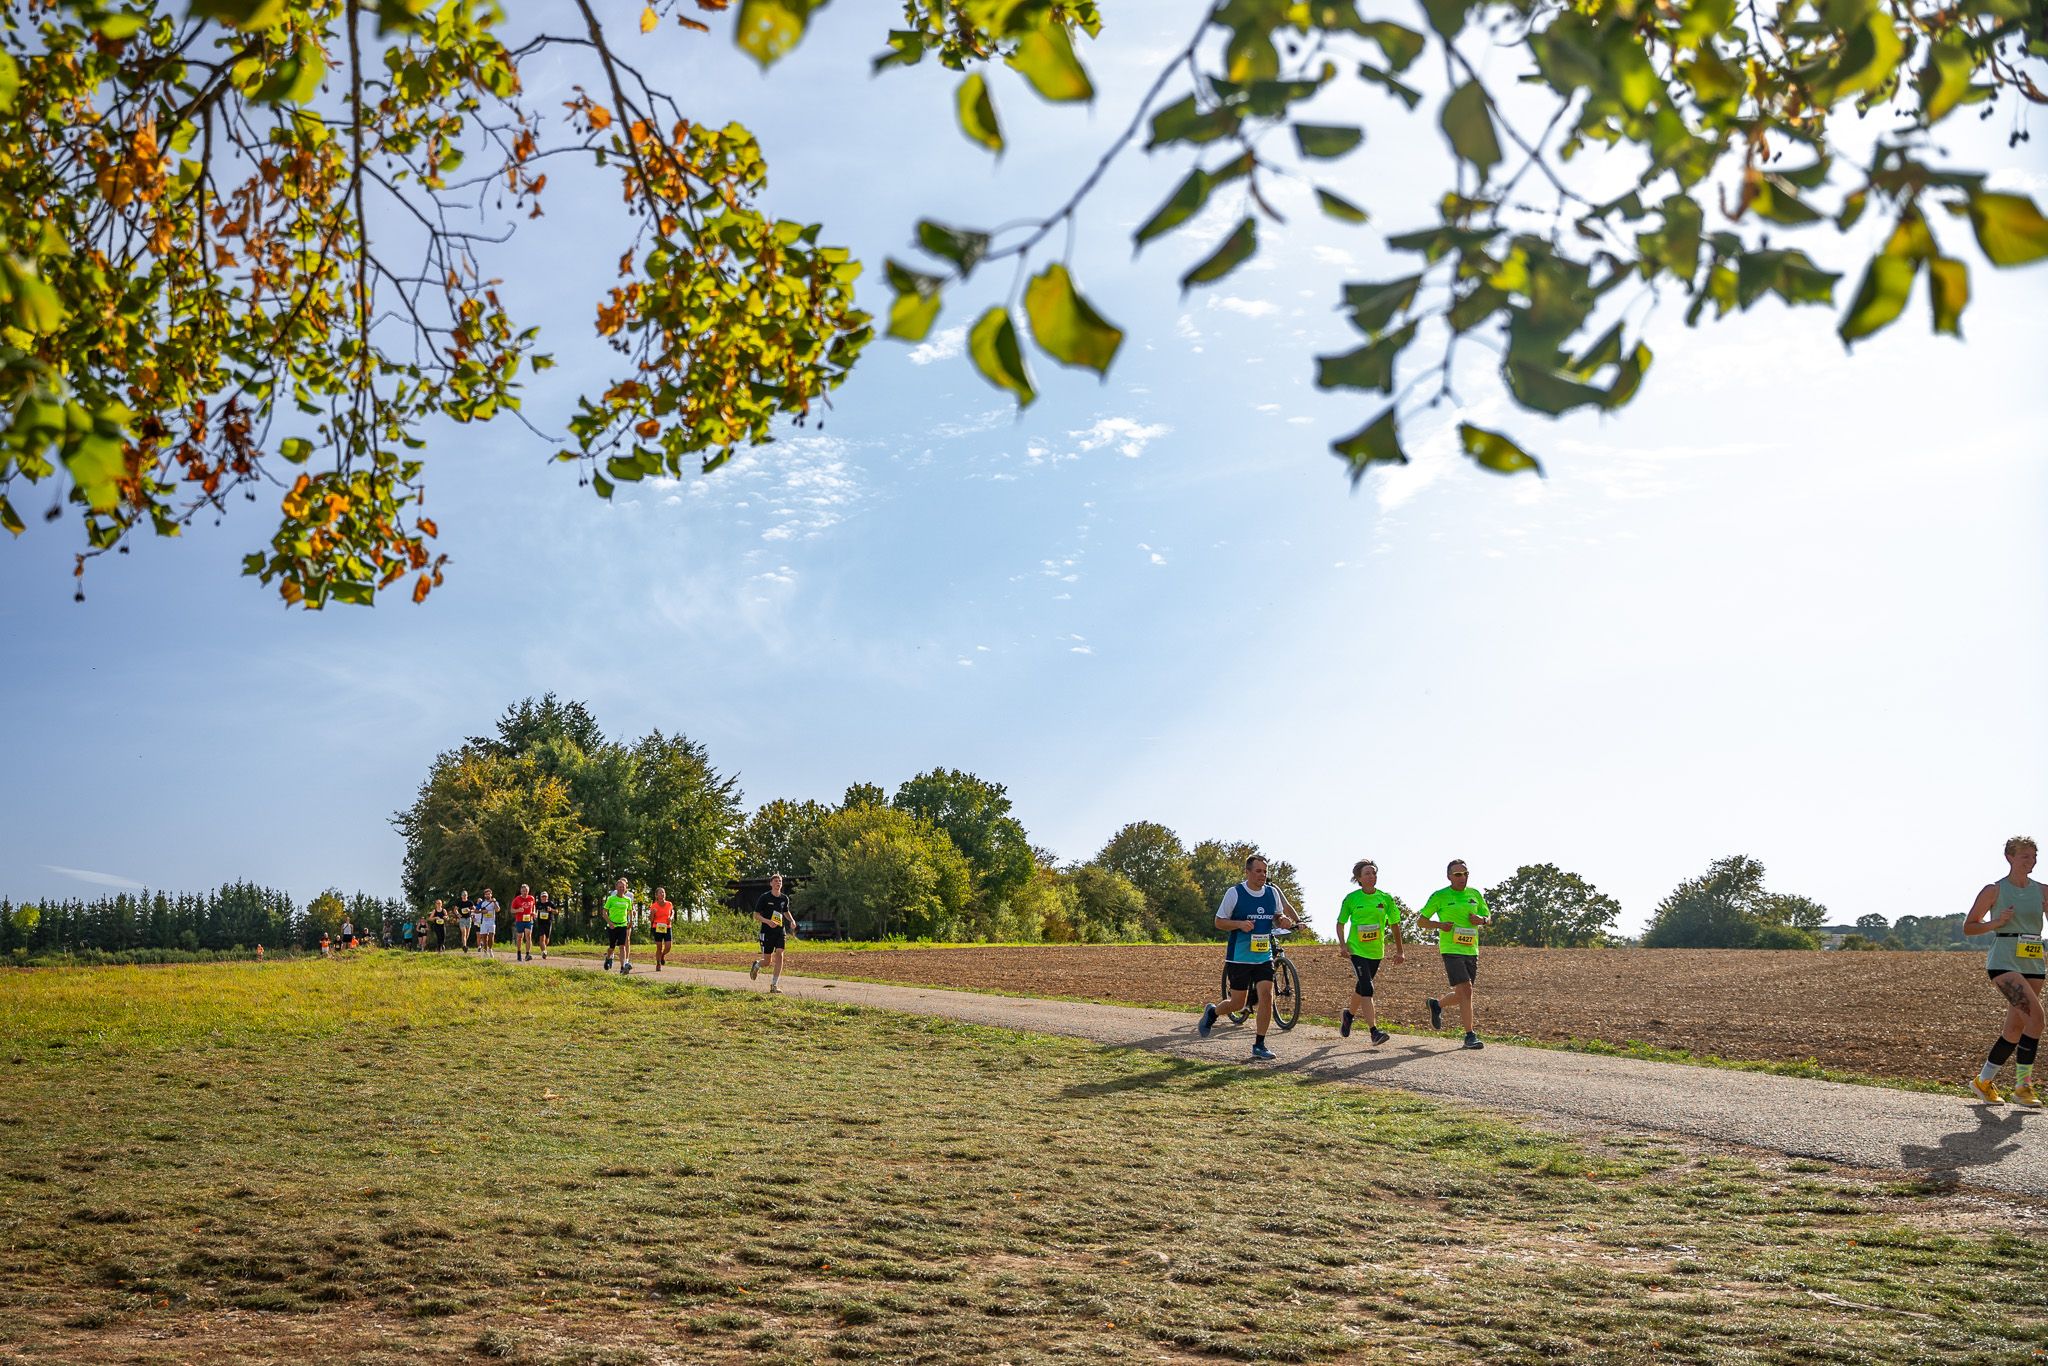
1924 1016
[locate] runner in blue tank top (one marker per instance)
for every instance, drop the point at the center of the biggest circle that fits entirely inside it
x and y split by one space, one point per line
2010 911
1250 911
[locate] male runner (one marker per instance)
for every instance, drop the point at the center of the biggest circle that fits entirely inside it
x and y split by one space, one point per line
772 919
1362 926
438 918
2010 911
522 925
1456 912
1249 912
661 918
465 917
544 923
487 924
618 914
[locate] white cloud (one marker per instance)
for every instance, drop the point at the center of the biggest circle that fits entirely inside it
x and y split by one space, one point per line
97 879
1334 256
1080 650
1130 437
1158 558
798 487
1250 308
980 422
944 346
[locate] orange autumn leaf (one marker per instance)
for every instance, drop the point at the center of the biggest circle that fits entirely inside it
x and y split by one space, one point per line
647 429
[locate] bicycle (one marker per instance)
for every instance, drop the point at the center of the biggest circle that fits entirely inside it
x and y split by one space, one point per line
1286 989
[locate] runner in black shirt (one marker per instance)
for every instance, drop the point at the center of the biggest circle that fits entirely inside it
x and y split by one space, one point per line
543 923
465 917
772 918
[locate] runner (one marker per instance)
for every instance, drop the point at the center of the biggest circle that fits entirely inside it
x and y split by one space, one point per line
465 917
1249 911
438 918
323 944
522 925
347 937
405 932
618 914
771 916
1368 914
661 916
2010 911
1456 913
487 925
544 923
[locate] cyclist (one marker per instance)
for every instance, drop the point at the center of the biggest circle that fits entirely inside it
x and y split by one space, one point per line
1250 910
1363 923
661 917
543 923
2010 911
522 925
773 920
618 914
1456 913
487 924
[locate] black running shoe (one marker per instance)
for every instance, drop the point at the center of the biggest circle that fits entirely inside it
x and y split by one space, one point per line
608 968
1380 1035
1344 1025
1472 1040
1208 1021
1436 1013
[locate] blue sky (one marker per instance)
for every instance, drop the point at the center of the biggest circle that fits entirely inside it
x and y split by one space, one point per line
1787 604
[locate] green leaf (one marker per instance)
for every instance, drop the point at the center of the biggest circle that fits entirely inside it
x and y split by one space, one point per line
1185 121
1778 204
769 29
1400 45
1235 251
11 520
355 592
1045 57
602 486
1065 326
992 344
97 463
978 113
1864 64
1881 297
1943 81
1373 306
1447 17
1468 123
295 449
1948 290
10 83
2009 228
1407 94
963 247
1185 202
1550 391
1495 451
906 48
1250 55
242 14
917 301
1340 208
1370 367
1325 141
1376 443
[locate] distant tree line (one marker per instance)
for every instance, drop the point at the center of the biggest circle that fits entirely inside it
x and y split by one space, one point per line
238 916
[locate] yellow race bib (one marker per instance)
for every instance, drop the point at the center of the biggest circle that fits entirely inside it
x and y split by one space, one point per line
1262 943
2029 946
1466 939
1369 934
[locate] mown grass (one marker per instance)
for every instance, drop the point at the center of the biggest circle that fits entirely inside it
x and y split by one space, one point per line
397 1158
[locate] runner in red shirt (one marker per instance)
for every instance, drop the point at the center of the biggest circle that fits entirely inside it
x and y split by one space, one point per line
522 924
662 916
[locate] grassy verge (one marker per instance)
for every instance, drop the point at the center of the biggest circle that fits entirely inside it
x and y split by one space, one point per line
406 1159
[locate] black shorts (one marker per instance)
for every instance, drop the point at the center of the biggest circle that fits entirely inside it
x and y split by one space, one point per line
1461 967
1362 970
661 936
540 927
618 936
1242 976
1995 973
773 938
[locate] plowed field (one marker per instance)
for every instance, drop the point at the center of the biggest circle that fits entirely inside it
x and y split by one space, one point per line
1924 1016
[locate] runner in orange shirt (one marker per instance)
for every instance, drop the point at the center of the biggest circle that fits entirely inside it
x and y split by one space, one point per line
661 915
522 925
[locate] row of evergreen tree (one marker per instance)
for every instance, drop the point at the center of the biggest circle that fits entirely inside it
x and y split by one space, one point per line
237 916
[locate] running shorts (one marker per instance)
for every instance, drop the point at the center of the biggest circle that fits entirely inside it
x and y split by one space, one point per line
489 927
1243 975
773 937
618 936
1461 967
1995 973
661 936
1362 970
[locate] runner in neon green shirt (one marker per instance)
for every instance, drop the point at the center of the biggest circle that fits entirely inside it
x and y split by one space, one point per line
618 914
1456 913
1367 916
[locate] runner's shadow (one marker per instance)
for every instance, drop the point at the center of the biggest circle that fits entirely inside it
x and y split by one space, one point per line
1994 1138
1379 1060
1206 1076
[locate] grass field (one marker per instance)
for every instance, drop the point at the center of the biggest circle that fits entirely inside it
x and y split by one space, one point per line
388 1158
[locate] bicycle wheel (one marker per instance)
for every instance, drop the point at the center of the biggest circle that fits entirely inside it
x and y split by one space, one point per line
1286 993
1234 1016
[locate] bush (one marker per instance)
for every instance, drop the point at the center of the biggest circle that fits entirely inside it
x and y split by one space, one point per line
1786 937
102 958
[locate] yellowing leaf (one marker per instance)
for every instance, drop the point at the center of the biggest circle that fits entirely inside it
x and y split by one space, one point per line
1235 251
2009 228
978 113
1881 297
1376 443
1495 451
992 345
1045 57
648 19
1948 290
1065 326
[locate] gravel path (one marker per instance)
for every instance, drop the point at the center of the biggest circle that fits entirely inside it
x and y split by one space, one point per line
1948 1137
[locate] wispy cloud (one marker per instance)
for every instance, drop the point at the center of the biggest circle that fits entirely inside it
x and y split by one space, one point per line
1250 308
944 346
802 485
1129 436
97 879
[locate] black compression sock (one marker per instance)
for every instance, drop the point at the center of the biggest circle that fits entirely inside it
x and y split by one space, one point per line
2024 1054
2000 1051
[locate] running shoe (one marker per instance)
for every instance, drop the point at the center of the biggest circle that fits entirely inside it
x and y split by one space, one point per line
1986 1092
1344 1025
1208 1021
2023 1094
1471 1041
774 990
625 968
1261 1053
1436 1013
754 971
1380 1035
607 964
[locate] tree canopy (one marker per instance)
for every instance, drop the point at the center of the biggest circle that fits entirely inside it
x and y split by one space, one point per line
248 247
1542 906
1728 907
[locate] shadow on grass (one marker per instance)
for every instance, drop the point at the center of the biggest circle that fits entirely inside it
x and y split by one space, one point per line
1189 1074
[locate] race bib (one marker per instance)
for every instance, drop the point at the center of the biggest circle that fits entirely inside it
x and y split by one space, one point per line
1370 935
1263 943
2029 946
1466 939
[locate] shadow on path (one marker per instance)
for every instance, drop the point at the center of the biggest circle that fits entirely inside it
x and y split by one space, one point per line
1995 1137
